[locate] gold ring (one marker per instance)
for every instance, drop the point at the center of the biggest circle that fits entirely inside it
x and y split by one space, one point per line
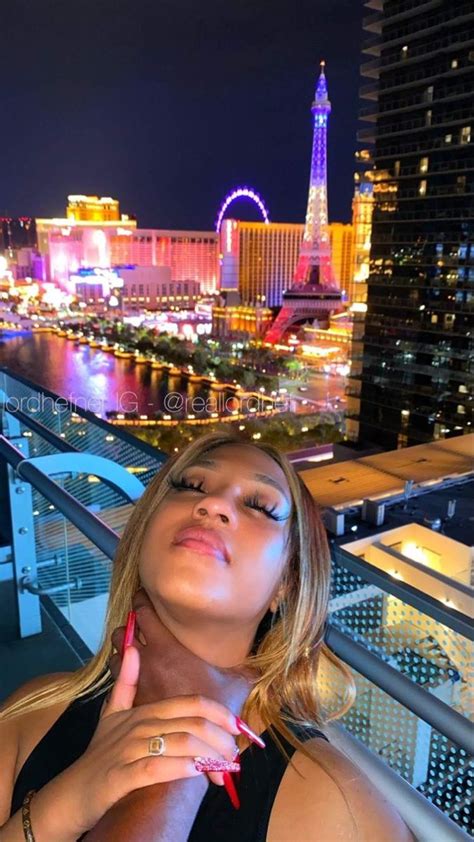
156 745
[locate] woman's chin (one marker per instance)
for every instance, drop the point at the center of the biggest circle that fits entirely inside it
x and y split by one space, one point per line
193 595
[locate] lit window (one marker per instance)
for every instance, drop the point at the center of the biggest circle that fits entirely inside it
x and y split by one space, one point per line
448 138
454 63
428 117
465 134
429 93
422 187
424 164
404 51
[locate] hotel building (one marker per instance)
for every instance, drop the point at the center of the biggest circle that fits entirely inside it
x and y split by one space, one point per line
259 259
190 255
410 378
362 209
241 321
83 241
341 237
93 209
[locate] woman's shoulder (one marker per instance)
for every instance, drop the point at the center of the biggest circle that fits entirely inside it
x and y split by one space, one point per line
327 797
20 734
22 720
26 729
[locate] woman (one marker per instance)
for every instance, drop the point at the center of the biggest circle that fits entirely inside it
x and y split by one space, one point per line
228 545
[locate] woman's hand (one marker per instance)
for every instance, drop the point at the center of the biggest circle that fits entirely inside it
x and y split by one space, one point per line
117 760
169 669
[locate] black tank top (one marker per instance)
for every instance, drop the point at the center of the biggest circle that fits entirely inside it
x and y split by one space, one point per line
260 776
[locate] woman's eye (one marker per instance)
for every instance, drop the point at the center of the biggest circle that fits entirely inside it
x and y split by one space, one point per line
183 483
255 503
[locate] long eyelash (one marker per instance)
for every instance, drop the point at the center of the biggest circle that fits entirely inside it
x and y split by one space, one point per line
184 483
254 501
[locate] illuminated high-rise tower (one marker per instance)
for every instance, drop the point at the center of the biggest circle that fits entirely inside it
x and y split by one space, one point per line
314 264
315 293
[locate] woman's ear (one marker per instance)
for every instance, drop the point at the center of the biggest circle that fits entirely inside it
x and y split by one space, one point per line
277 600
273 607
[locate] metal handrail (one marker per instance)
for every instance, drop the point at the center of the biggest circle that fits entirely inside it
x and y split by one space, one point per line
450 617
138 444
92 527
446 720
41 430
432 710
60 444
423 817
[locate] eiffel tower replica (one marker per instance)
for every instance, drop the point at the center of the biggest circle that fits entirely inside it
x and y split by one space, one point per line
315 293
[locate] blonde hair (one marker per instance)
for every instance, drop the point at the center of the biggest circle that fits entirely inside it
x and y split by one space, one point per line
286 654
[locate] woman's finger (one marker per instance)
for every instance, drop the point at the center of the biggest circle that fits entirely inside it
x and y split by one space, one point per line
192 705
162 769
118 636
153 770
195 728
175 744
125 687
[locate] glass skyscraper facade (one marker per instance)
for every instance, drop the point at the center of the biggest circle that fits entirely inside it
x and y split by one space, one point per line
410 379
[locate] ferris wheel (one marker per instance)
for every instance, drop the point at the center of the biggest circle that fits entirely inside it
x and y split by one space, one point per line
242 193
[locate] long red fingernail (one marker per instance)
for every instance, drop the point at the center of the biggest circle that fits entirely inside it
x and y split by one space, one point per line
244 729
129 635
231 790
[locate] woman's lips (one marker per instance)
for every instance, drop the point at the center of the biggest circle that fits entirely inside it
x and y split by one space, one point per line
203 540
201 547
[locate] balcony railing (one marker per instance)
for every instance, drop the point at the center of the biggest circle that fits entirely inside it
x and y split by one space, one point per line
369 91
460 115
432 23
366 135
373 23
371 68
405 214
372 46
423 147
428 49
376 5
408 9
410 80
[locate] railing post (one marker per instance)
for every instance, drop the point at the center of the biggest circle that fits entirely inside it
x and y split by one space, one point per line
23 547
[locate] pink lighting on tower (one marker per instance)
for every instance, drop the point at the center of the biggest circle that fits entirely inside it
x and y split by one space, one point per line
314 263
314 293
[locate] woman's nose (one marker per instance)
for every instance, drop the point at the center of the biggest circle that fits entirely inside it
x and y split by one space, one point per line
215 507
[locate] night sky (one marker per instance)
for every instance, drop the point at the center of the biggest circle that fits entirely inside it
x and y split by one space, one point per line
168 104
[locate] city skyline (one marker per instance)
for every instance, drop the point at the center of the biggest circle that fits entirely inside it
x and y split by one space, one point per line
92 121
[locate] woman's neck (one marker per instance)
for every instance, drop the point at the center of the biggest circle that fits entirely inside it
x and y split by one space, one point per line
220 644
